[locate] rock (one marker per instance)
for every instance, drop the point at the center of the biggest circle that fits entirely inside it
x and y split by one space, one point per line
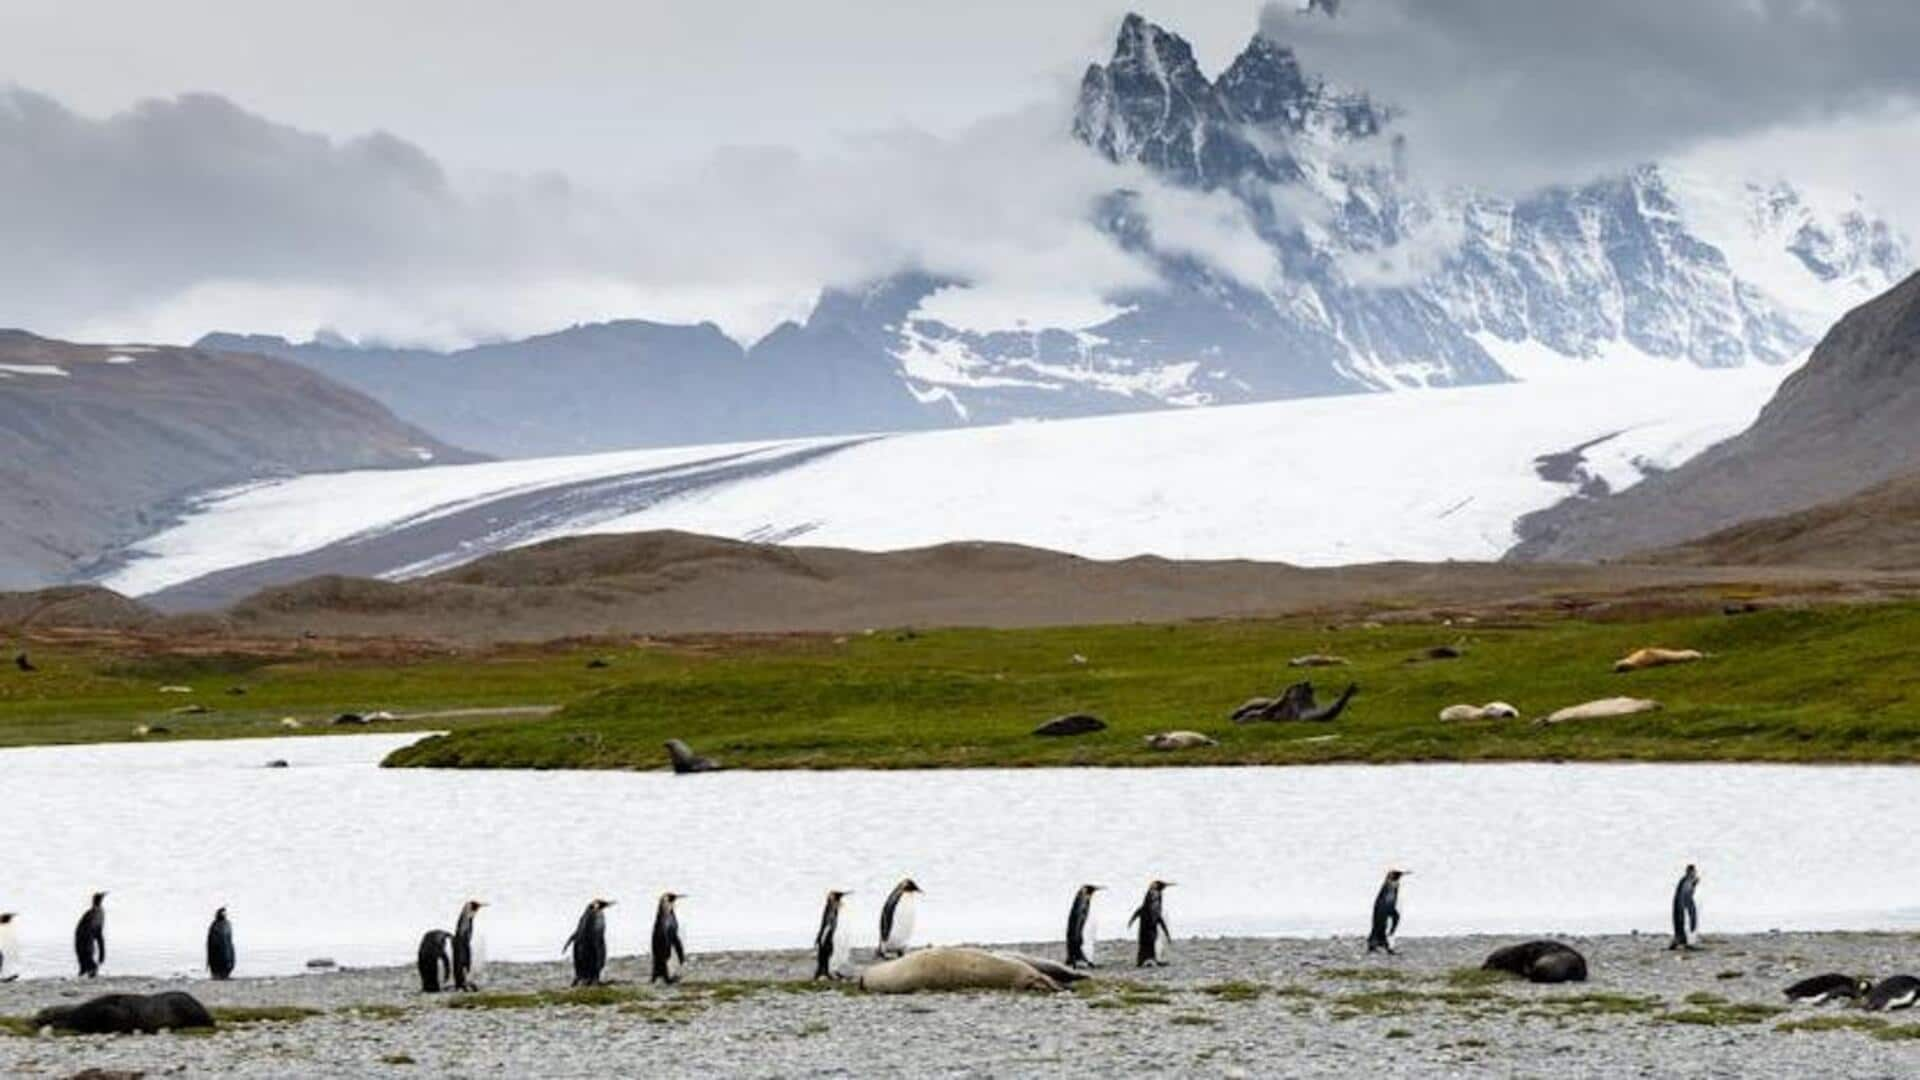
1178 740
1641 659
1071 724
1317 660
1539 961
1603 709
322 963
122 1014
684 760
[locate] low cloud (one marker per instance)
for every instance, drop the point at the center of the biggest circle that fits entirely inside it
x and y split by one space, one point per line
193 214
1509 96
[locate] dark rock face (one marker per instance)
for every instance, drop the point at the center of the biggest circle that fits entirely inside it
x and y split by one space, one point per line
1848 420
99 443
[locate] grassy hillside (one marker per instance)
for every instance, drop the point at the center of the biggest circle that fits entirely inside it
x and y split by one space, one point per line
1827 684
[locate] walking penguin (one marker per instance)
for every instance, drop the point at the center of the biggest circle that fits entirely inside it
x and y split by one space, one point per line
1082 931
1386 914
436 961
1155 937
830 947
588 943
669 956
90 937
1686 917
220 955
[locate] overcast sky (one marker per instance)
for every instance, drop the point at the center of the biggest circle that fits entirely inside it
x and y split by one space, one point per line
444 170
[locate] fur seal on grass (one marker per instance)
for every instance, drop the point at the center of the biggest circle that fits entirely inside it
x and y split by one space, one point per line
1641 659
588 943
1386 913
1686 915
1603 709
1897 992
1178 740
1539 961
220 956
1071 724
464 967
944 968
123 1014
1296 702
435 960
1820 989
90 937
686 761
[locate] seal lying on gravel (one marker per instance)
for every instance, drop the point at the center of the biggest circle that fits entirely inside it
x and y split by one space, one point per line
1641 659
1603 709
1539 961
123 1014
954 969
1832 987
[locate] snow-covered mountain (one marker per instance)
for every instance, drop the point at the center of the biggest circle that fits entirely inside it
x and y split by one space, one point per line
1424 476
1360 281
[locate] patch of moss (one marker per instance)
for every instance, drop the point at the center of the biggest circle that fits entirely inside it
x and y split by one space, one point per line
1472 977
540 999
1193 1020
375 1012
1831 1023
1381 1002
397 1059
1600 1004
1723 1013
16 1025
1904 1031
1235 990
1365 974
1399 1033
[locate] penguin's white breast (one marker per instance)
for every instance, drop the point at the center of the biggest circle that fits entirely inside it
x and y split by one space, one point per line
903 919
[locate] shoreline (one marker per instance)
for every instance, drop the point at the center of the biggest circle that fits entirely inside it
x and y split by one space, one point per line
1226 1006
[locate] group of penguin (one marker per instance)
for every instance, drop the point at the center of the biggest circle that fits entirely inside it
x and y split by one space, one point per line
448 960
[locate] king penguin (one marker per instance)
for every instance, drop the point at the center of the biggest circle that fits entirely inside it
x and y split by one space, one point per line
1386 914
830 947
1083 934
1686 917
436 961
588 943
896 919
464 968
90 937
220 955
1155 937
9 949
669 955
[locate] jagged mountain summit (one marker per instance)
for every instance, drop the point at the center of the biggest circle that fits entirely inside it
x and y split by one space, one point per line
1372 284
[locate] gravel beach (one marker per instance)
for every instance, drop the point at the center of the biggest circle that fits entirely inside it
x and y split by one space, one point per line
1227 1007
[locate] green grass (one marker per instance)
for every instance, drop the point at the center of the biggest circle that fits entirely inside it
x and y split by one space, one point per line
1827 684
598 996
1710 1011
19 1026
1832 1023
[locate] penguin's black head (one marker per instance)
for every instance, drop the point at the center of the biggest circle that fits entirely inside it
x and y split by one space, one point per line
5 917
1156 885
669 898
834 896
99 898
909 885
1396 875
1089 890
220 913
601 905
476 905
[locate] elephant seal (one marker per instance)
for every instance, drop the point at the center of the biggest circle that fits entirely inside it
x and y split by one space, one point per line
1539 961
1820 989
1641 659
1603 709
1492 710
1071 724
1178 740
123 1014
686 761
945 968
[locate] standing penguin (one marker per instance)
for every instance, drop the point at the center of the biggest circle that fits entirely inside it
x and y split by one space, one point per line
896 919
436 961
1082 930
1155 937
9 949
669 956
1686 917
90 937
220 946
589 944
463 966
1386 913
830 947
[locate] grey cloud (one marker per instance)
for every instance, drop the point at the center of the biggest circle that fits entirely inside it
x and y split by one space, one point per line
1517 93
